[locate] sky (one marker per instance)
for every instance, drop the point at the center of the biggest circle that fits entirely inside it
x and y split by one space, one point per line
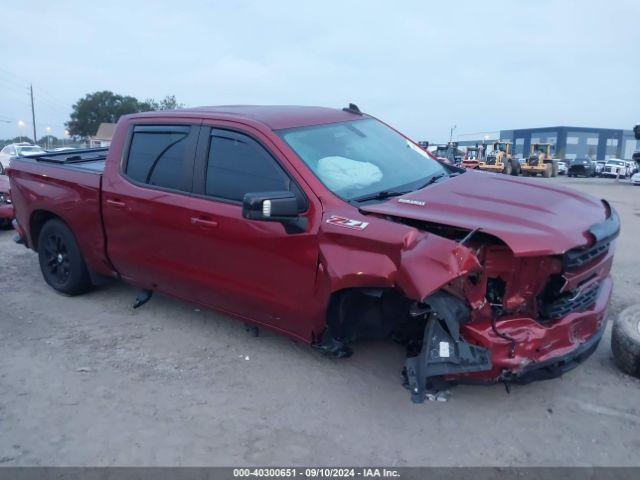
421 66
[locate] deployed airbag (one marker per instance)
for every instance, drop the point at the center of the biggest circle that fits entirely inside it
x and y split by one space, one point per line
340 173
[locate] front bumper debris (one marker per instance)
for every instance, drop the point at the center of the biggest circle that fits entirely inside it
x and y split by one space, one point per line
444 351
555 367
533 350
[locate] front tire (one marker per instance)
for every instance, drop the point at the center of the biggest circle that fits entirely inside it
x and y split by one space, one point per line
625 341
548 171
61 262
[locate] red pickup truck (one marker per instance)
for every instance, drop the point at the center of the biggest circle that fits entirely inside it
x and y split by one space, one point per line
329 226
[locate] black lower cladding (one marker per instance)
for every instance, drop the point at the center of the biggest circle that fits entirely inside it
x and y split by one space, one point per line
557 366
444 351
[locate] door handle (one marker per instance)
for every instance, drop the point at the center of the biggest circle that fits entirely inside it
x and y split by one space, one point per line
203 222
116 203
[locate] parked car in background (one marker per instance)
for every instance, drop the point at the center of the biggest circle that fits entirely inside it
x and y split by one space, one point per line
61 149
635 179
13 150
632 167
581 168
562 167
616 168
329 226
6 207
600 166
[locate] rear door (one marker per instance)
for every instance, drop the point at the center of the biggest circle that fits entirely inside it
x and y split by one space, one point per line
145 206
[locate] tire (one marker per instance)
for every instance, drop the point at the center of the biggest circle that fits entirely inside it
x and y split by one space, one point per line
507 168
625 341
554 170
61 262
548 171
515 168
5 224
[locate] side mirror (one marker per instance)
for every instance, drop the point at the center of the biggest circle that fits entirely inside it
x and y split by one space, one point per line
274 207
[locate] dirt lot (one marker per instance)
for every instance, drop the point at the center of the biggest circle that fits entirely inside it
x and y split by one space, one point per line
89 381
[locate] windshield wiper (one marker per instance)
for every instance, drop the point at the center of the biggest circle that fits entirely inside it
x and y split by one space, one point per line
431 180
384 194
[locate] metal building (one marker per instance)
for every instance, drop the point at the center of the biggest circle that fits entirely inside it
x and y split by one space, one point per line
576 142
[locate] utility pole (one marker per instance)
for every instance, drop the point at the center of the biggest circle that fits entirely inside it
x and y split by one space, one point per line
33 116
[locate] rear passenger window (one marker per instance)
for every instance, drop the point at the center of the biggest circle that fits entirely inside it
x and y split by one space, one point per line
238 164
161 156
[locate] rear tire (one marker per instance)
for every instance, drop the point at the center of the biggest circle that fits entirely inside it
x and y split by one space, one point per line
515 168
625 341
548 170
61 262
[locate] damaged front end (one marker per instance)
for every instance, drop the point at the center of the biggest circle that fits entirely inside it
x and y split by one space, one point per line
515 319
444 352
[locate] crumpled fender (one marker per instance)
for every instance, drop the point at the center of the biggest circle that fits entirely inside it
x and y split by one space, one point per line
391 256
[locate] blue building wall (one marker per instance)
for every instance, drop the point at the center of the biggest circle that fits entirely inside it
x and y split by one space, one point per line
573 142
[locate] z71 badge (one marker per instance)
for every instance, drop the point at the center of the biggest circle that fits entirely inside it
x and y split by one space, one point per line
347 222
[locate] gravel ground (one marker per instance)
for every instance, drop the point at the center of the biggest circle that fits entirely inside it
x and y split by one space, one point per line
89 381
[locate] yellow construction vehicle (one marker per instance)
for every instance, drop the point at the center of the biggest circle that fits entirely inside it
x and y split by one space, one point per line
499 160
540 161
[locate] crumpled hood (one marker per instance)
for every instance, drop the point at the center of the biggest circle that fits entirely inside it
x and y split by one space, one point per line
531 217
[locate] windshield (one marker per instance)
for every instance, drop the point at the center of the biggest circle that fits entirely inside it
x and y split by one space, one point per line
361 157
28 150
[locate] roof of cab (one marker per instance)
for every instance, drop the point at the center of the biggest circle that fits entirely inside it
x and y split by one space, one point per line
276 117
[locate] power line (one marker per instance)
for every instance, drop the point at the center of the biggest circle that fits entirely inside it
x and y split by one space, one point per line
14 75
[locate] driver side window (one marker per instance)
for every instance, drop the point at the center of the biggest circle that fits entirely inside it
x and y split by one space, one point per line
237 165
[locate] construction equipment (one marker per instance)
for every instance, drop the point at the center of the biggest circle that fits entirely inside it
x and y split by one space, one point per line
449 153
471 158
540 161
499 160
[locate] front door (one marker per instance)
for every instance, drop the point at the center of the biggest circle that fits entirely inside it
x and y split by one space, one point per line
253 269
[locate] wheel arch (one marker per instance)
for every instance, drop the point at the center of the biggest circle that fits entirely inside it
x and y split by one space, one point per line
37 220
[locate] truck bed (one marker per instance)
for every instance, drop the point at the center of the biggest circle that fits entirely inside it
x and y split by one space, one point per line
66 185
88 159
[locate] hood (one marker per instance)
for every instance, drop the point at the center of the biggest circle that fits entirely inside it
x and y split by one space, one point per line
531 217
4 184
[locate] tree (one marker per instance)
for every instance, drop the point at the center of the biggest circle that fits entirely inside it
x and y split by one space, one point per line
107 107
49 141
100 107
8 141
167 103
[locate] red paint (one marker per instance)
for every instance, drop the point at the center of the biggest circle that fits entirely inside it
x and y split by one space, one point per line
6 210
205 252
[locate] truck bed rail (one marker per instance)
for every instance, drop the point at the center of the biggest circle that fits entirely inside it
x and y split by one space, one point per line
71 156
